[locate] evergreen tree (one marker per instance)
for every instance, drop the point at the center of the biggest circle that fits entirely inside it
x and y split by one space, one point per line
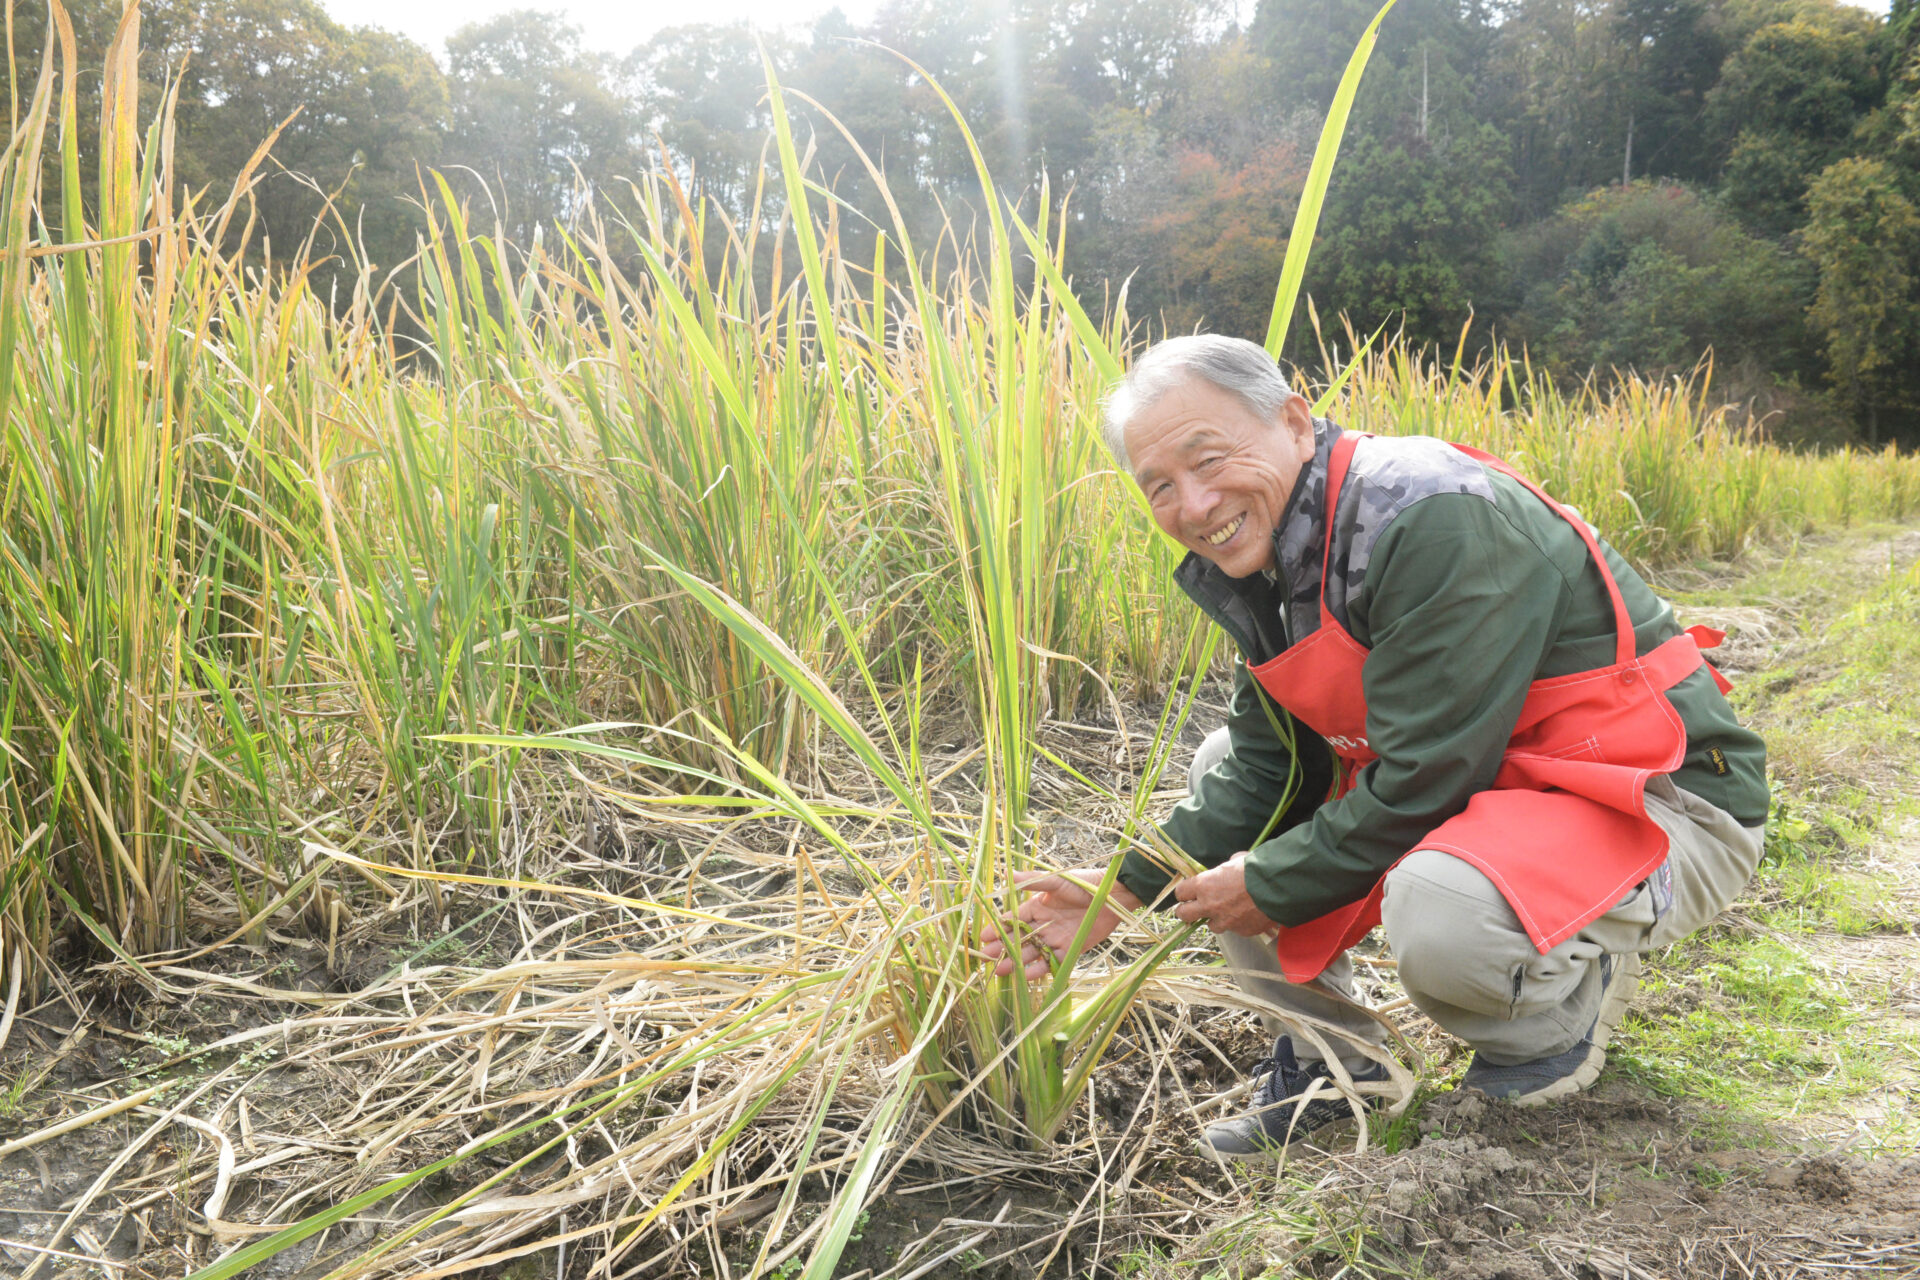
1864 236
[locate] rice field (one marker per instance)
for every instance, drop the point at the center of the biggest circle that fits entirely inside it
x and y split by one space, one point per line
381 610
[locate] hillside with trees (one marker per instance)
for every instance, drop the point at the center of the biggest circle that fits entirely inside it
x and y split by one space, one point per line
1628 184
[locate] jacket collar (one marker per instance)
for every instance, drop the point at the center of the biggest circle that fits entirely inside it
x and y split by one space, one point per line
1246 608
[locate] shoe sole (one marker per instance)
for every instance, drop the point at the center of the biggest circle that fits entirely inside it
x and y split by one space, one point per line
1613 1007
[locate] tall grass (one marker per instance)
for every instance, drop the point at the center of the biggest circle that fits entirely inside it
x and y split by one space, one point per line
1663 471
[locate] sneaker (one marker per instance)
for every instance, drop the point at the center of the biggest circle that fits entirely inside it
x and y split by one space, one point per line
1528 1084
1277 1112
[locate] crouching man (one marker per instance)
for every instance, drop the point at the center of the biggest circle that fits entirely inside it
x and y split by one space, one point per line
1461 716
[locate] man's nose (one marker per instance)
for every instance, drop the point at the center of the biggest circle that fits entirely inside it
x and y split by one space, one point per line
1197 500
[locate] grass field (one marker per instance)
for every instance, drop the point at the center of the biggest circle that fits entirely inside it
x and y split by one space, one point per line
631 685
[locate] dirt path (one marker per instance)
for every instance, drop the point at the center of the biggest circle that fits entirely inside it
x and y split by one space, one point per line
1825 941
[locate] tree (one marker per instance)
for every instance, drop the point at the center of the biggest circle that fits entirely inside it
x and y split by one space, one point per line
1863 235
1564 92
1423 185
1791 98
1308 43
700 92
393 106
1902 125
1207 236
1647 277
366 109
535 116
1191 202
1409 232
1672 55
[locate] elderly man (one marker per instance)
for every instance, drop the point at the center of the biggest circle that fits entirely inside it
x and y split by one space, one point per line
1460 716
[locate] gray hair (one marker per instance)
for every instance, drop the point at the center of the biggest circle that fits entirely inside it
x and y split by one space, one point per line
1240 368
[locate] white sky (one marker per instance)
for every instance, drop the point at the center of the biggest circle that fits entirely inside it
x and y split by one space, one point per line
612 26
616 26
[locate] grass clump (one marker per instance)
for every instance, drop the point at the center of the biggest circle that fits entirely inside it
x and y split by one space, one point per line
1760 1013
1744 1023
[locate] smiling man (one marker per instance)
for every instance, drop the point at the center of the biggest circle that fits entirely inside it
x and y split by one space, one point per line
1459 715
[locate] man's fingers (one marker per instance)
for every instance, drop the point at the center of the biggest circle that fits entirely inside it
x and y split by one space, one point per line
1073 888
1036 909
1030 955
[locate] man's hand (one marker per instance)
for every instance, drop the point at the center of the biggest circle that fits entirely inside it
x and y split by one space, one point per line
1056 904
1218 899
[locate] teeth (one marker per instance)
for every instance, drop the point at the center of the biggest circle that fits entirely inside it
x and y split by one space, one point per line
1226 533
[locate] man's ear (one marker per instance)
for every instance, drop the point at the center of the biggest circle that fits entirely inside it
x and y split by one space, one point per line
1296 415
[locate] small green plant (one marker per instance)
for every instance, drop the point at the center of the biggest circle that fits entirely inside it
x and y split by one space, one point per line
1787 832
168 1046
15 1094
1749 1022
1394 1133
161 1049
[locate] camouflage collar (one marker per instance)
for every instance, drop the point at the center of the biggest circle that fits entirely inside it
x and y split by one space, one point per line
1300 543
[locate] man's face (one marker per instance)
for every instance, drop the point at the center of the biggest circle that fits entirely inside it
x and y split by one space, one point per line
1217 474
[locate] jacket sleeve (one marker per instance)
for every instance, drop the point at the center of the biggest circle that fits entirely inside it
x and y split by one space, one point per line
1238 799
1459 609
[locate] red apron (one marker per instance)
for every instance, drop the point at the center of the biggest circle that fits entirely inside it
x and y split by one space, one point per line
1563 832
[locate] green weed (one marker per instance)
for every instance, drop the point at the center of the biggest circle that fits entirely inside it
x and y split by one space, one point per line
1297 1230
1396 1133
13 1097
1750 1023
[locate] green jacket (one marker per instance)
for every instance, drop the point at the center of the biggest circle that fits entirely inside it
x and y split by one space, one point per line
1466 588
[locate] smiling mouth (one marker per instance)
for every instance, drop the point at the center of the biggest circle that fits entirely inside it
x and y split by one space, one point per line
1216 539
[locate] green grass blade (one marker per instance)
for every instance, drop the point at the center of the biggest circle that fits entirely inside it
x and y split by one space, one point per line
1306 221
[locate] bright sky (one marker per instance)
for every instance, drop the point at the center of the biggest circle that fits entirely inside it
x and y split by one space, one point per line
616 26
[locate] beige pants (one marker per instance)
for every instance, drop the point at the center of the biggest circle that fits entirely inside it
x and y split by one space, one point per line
1467 962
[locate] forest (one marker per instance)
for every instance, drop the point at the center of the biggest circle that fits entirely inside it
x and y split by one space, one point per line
1628 185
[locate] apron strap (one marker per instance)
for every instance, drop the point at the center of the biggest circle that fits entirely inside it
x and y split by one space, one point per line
1624 648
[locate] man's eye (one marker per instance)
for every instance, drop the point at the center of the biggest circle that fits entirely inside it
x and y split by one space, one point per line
1208 463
